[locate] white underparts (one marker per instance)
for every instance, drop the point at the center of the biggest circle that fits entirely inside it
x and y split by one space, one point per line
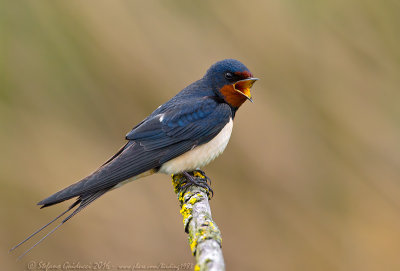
193 159
200 155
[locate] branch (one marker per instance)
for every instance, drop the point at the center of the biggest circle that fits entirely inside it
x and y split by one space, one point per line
204 235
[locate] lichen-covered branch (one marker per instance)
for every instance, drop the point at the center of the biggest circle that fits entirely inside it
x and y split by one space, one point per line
204 235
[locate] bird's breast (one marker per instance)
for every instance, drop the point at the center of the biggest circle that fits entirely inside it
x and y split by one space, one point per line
200 155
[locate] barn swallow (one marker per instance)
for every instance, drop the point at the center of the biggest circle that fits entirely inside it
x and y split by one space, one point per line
181 136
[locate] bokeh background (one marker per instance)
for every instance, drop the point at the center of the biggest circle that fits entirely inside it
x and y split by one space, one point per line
309 181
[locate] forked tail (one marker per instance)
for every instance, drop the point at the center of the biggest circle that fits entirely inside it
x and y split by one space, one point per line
83 202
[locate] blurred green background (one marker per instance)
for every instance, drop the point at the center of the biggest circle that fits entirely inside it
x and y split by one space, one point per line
310 179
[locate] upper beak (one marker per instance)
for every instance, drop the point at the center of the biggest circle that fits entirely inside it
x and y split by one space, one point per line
243 87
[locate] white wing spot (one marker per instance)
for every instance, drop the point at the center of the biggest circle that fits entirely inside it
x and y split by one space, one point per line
161 117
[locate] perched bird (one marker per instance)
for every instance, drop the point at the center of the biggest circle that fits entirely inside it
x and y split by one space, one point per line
181 136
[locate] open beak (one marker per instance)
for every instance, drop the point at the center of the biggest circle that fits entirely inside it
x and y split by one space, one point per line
243 87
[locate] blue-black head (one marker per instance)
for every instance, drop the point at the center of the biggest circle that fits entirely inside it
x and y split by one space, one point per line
231 80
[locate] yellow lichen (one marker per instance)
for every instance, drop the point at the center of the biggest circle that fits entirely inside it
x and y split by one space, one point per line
193 245
198 174
196 267
177 183
186 212
180 197
193 200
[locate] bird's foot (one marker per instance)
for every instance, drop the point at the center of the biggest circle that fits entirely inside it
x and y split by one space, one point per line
201 174
198 178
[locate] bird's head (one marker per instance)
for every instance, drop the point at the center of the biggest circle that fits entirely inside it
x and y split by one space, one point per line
231 80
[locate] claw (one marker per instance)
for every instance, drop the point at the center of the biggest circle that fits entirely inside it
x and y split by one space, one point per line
204 175
199 181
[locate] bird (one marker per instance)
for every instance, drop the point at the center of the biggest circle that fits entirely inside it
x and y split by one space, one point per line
181 136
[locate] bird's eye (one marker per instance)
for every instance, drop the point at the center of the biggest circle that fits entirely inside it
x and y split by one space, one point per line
229 76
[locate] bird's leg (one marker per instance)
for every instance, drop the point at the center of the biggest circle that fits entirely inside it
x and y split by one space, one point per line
196 180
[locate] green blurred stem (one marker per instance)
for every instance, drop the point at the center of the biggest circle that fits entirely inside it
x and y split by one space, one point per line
204 235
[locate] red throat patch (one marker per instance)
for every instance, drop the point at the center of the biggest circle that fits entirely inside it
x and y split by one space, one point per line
232 97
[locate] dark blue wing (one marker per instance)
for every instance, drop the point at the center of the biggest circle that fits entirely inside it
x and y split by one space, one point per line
158 139
192 120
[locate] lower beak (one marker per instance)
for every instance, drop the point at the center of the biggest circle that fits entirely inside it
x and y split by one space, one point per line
243 87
